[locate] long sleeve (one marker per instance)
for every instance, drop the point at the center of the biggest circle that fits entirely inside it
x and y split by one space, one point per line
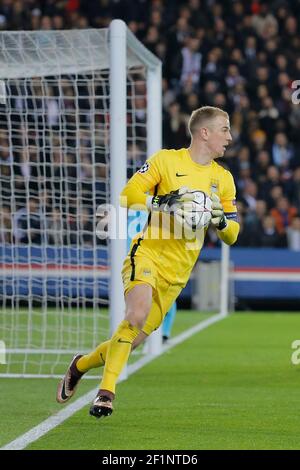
230 233
142 182
134 194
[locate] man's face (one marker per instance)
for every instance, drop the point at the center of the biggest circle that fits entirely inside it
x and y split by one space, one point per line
218 136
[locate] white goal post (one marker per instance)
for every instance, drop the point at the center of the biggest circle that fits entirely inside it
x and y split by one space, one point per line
120 37
79 109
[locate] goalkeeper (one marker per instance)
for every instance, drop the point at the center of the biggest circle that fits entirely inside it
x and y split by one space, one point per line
159 264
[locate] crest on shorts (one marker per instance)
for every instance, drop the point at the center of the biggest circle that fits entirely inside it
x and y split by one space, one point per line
144 168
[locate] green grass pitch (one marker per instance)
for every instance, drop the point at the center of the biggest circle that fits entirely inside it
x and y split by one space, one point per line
230 386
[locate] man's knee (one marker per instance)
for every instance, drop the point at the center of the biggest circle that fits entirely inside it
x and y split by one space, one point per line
136 317
138 305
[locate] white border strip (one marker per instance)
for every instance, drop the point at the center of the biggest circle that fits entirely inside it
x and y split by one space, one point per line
44 427
55 272
281 276
266 276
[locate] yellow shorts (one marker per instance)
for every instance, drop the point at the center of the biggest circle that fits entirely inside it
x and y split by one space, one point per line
164 294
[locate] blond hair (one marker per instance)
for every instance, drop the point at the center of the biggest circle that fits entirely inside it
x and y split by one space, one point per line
202 115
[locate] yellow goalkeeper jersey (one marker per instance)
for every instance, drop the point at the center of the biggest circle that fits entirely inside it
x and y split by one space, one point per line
163 172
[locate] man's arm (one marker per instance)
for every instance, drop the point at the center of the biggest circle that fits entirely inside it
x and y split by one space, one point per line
230 233
224 213
134 194
144 181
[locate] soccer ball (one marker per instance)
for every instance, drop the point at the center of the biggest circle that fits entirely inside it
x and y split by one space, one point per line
195 214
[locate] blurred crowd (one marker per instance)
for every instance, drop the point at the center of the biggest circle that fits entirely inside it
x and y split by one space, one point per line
243 56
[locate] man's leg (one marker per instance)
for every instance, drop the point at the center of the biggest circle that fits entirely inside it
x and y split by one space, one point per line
145 310
138 305
94 359
168 322
81 364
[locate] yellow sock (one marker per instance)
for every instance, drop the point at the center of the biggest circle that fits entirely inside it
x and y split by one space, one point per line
94 359
117 354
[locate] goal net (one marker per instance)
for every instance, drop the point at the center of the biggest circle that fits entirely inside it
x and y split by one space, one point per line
56 168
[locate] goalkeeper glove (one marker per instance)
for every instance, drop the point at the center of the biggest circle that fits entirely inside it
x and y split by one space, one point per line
169 202
218 218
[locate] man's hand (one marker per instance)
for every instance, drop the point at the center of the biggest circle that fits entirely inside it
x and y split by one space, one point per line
218 218
169 202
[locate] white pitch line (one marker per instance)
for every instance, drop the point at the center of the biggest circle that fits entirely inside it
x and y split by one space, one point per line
44 427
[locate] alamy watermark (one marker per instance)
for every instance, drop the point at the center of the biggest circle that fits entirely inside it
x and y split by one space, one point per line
296 93
113 225
295 358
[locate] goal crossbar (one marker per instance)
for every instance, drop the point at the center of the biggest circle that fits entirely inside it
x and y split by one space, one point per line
25 54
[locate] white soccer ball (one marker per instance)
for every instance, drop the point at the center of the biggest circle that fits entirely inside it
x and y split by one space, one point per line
195 214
